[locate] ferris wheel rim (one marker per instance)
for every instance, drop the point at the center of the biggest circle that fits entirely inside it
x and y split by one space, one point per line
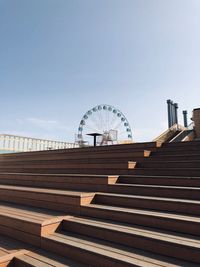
105 107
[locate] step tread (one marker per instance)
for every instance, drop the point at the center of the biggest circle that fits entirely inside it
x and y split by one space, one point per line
154 154
167 168
158 176
59 175
41 258
116 252
158 186
8 246
187 240
171 161
166 215
46 191
176 200
30 214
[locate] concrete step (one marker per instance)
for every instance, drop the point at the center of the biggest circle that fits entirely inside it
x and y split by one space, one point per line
60 200
160 180
184 247
180 223
183 206
59 181
101 253
192 193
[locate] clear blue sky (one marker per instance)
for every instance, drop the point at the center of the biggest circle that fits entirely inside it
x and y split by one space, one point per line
59 58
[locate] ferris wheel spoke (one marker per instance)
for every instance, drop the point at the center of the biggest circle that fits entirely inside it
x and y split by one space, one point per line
119 124
100 119
91 126
107 120
94 129
104 120
124 134
95 122
112 119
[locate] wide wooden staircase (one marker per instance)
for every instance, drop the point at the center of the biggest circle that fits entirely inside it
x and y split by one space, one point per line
112 206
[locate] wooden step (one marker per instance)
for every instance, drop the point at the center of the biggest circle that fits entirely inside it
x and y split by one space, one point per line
179 223
9 249
7 260
181 144
59 181
27 224
160 180
156 190
77 156
61 200
190 172
58 165
171 157
99 253
111 160
168 153
184 206
108 168
169 164
115 148
175 151
179 148
41 258
166 243
99 171
17 254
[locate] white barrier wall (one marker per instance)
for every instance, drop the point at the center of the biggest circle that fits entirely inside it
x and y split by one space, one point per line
14 143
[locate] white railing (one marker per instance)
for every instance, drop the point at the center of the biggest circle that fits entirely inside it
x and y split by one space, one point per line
14 143
191 126
169 132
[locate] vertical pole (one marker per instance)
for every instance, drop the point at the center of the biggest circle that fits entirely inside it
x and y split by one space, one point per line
17 143
9 142
95 140
14 143
4 141
185 118
22 144
172 113
176 112
169 112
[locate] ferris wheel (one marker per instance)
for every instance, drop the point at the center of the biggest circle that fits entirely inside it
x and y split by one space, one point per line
108 121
